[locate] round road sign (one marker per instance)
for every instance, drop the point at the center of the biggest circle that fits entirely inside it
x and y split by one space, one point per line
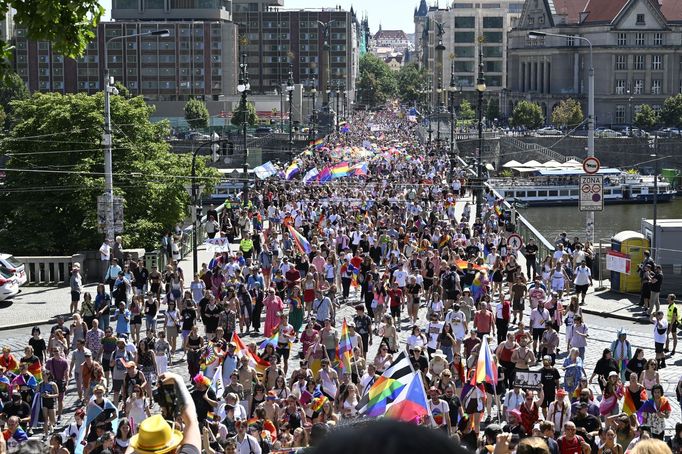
515 241
591 165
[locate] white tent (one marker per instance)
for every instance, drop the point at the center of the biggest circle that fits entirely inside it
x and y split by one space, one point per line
572 163
532 163
511 164
551 164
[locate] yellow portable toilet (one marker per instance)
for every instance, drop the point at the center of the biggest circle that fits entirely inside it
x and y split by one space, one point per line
632 244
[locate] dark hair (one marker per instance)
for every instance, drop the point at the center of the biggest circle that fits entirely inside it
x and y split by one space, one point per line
386 437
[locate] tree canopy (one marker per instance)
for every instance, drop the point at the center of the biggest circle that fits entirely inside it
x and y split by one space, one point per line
239 112
49 201
196 114
567 114
68 24
528 115
671 113
646 118
12 88
410 80
377 80
466 111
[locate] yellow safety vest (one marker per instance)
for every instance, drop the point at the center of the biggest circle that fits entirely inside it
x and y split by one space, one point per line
672 308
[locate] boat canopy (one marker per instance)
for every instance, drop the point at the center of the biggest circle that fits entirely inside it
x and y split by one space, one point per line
574 171
512 164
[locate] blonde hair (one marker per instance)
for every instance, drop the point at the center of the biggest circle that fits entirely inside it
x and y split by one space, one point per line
651 446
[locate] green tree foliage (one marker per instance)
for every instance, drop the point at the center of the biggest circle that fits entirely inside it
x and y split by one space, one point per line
196 114
528 115
492 109
466 111
250 112
11 88
671 113
567 114
69 24
646 118
377 80
49 200
410 80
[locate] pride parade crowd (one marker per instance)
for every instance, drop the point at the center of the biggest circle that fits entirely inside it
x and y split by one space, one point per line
365 240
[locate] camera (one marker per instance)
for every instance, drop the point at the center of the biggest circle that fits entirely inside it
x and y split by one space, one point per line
165 396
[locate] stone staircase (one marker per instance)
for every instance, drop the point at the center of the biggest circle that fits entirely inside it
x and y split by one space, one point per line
539 149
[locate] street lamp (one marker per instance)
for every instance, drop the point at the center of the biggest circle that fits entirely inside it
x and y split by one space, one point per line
451 92
654 239
109 89
439 109
243 88
313 92
290 91
590 111
480 89
338 92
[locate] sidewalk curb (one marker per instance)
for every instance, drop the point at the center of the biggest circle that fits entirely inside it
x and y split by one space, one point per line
638 320
29 324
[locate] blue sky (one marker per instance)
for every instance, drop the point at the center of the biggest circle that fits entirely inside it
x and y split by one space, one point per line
392 14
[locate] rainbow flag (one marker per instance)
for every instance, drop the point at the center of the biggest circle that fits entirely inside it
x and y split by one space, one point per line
10 363
498 210
344 349
321 223
629 406
340 170
325 175
255 361
411 405
486 369
272 340
387 387
36 370
301 243
318 402
317 143
291 171
445 239
650 407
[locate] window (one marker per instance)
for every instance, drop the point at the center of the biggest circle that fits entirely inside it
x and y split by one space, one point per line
622 39
531 21
492 51
656 87
657 62
640 19
492 37
493 22
620 86
639 87
621 62
620 114
658 39
494 66
570 41
465 37
464 66
639 62
465 22
639 39
464 52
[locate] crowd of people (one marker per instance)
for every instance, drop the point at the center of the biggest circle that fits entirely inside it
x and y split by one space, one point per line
389 254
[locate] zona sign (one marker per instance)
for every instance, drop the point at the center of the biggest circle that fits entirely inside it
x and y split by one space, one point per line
591 165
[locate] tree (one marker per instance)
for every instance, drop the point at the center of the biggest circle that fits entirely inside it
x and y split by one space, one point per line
466 111
12 88
671 113
646 118
377 80
492 109
70 25
55 212
196 114
567 114
410 80
528 115
251 115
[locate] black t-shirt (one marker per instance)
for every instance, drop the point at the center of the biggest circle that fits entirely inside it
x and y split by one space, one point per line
66 331
454 404
21 410
590 423
548 380
38 345
211 318
656 286
202 406
188 316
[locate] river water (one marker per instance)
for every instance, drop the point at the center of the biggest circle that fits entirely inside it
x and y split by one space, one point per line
551 221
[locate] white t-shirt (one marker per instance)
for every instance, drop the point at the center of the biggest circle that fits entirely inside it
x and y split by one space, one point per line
538 317
400 277
433 330
661 325
582 275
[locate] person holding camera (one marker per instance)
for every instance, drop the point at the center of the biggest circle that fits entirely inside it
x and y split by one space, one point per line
155 435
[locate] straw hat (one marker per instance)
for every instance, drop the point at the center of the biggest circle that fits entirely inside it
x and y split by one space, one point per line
155 436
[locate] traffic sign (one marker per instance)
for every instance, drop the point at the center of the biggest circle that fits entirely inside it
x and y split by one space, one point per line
591 192
591 165
514 241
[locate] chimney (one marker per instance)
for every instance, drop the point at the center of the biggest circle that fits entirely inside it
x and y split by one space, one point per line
583 16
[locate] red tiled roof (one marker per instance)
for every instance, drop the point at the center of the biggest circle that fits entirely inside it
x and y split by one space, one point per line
603 10
570 8
390 34
671 9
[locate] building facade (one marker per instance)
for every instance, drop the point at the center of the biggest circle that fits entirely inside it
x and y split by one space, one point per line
274 38
395 39
196 60
635 45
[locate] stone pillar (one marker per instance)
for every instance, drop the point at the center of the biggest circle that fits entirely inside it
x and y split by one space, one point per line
545 75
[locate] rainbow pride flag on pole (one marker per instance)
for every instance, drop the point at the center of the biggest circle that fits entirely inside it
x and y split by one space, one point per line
317 143
340 170
387 387
486 369
301 243
272 340
255 361
344 349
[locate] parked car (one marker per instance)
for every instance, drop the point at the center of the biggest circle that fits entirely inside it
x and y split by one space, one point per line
263 131
13 267
606 132
548 131
9 287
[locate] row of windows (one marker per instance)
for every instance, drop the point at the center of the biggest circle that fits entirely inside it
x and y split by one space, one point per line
640 39
470 51
638 87
470 22
638 62
470 37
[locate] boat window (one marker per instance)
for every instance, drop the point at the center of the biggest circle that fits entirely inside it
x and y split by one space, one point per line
607 192
636 190
616 191
531 194
574 192
542 193
563 192
552 193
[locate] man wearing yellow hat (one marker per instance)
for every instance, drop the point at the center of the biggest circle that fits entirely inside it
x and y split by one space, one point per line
155 435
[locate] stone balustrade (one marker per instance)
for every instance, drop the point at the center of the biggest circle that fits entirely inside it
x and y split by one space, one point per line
49 270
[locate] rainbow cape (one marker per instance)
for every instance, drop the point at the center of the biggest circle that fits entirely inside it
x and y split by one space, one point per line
35 368
344 349
301 242
650 407
629 406
255 361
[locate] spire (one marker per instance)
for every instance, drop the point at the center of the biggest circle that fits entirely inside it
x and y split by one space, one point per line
423 8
